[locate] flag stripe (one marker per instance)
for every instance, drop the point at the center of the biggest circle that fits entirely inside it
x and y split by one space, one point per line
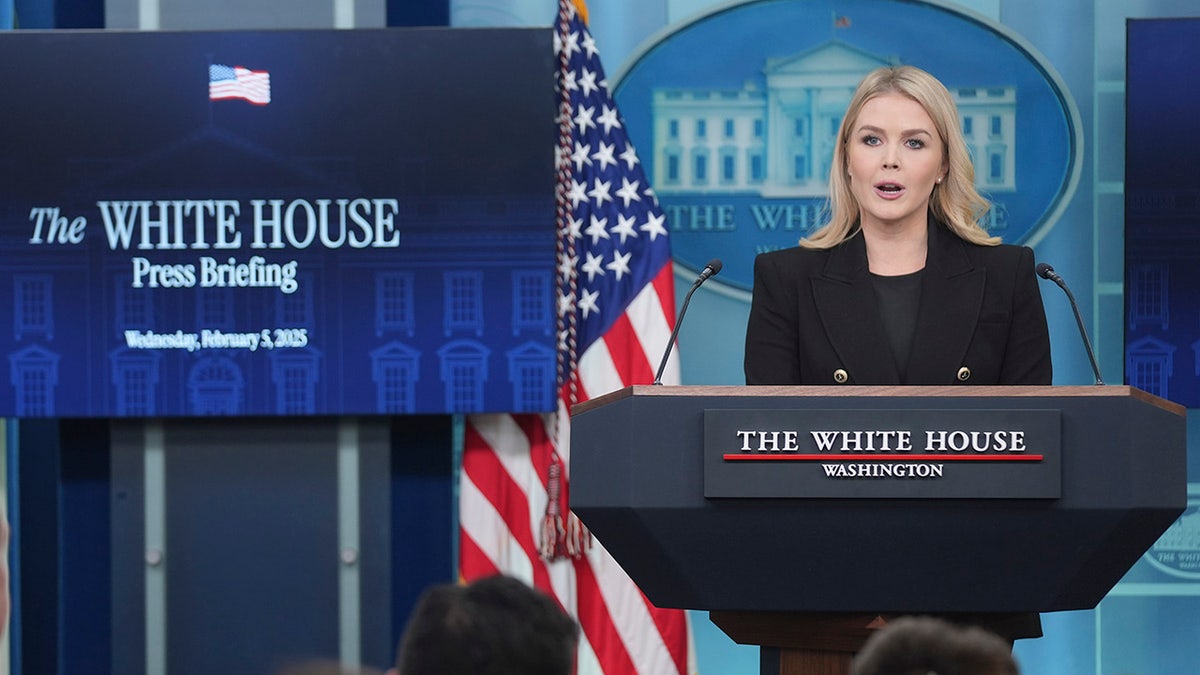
629 609
622 341
658 315
473 562
484 523
598 623
598 372
510 494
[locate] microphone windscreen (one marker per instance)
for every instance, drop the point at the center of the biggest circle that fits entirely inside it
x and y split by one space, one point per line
1044 271
714 265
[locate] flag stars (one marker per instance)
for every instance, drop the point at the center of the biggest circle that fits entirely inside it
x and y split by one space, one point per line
599 192
587 82
566 265
603 197
571 44
580 156
604 155
608 118
593 266
587 304
597 230
629 156
574 226
654 226
620 264
629 191
589 45
568 81
624 228
583 119
577 193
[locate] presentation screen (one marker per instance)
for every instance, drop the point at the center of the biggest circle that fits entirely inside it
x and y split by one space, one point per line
277 222
1162 242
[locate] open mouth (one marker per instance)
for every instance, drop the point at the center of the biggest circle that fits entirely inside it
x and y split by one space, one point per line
890 188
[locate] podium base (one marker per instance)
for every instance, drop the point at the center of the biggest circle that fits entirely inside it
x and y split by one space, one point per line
776 661
800 643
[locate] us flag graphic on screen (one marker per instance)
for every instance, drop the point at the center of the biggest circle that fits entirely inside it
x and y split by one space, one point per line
615 315
236 82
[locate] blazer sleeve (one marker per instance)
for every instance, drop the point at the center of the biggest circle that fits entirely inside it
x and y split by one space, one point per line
1027 354
772 331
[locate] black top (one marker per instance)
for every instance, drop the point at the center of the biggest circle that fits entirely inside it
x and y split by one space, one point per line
899 297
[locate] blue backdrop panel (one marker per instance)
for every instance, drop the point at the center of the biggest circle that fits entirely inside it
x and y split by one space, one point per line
1162 244
737 135
276 223
1150 627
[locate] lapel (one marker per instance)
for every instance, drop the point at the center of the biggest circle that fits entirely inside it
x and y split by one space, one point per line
849 311
951 299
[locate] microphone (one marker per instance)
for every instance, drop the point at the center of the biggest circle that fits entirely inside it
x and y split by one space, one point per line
710 270
1047 272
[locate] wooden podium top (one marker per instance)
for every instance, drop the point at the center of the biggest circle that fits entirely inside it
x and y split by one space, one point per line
945 391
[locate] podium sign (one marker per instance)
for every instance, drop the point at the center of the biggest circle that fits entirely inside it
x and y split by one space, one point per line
639 475
893 453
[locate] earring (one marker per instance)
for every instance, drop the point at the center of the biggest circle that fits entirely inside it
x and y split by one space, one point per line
939 180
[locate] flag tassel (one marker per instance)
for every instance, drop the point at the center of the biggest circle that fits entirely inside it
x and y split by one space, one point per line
561 537
550 543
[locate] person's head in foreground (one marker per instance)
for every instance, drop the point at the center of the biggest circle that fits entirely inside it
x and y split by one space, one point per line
493 626
930 646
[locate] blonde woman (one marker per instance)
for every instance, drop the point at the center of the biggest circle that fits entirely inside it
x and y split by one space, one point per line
902 285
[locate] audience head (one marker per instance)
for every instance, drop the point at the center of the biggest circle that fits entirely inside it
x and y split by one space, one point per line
493 626
930 646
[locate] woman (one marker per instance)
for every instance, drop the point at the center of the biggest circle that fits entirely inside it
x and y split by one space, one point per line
902 285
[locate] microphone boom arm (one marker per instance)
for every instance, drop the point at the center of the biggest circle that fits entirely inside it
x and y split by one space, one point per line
1047 272
711 269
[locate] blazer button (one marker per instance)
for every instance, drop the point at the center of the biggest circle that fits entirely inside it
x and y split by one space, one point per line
964 374
840 376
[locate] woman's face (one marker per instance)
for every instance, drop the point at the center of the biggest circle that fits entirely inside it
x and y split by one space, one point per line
895 157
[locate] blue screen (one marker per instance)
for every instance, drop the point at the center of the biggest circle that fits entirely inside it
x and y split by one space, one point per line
277 222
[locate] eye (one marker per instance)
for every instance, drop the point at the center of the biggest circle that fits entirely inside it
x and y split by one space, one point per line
915 143
871 139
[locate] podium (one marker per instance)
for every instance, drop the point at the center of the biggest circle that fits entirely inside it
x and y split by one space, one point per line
802 517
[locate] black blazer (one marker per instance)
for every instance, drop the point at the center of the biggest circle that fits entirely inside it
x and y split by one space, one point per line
814 318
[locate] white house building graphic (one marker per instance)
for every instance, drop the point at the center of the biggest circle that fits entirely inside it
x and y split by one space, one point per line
778 142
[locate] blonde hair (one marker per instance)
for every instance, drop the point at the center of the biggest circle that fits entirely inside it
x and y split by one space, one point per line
954 201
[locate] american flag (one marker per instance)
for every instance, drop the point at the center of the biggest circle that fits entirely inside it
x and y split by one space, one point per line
615 314
236 82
